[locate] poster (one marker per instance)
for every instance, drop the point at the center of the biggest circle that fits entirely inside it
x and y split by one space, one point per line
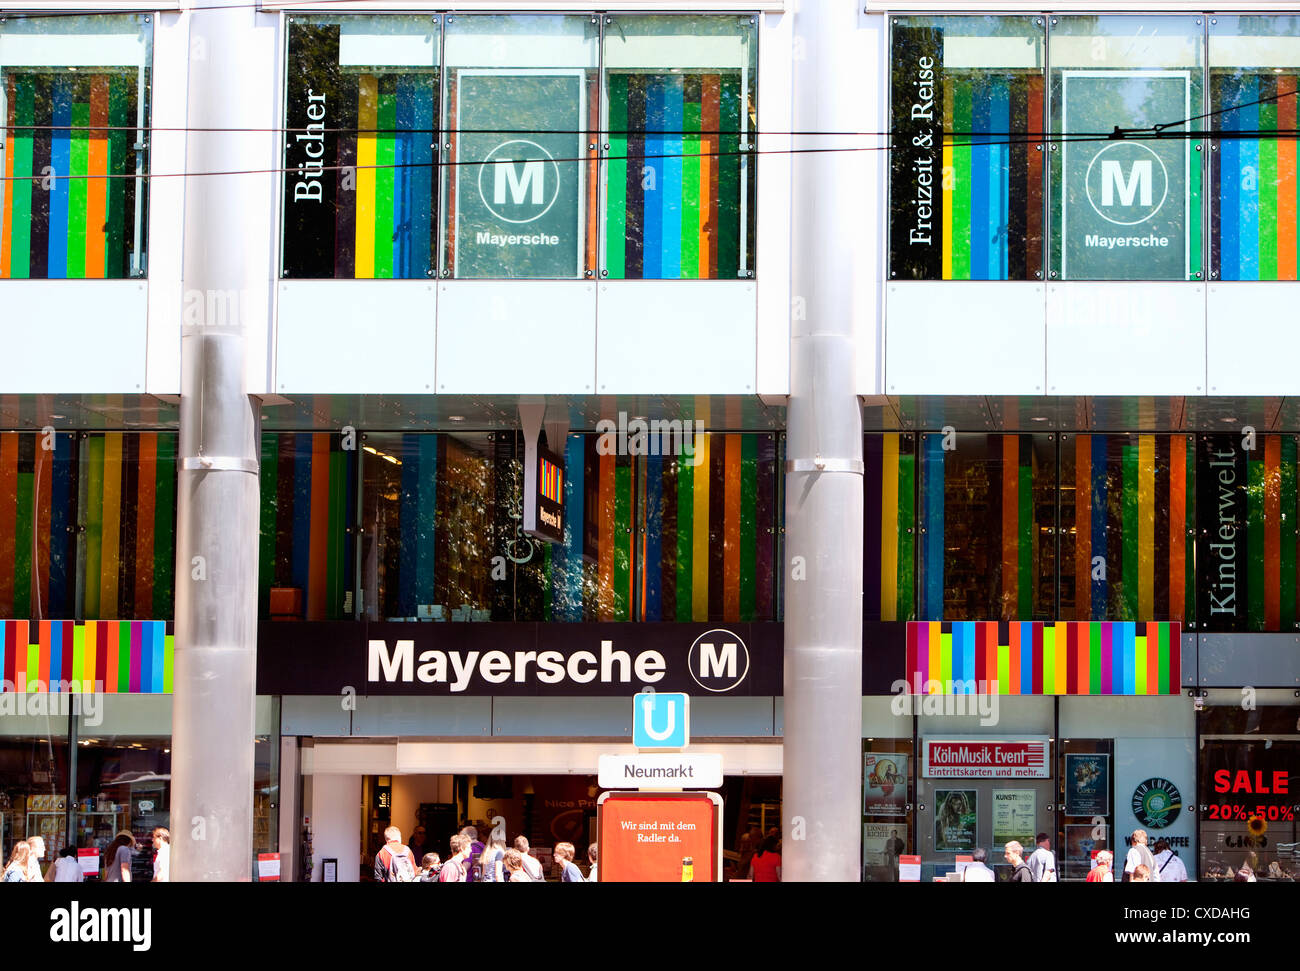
1014 816
1126 202
884 782
883 844
518 200
1087 784
954 820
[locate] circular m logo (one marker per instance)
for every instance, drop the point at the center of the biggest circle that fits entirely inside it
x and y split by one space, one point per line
1126 183
519 181
719 660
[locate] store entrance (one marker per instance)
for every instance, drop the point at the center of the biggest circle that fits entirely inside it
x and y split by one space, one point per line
547 809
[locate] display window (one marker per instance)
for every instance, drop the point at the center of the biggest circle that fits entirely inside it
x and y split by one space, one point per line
680 115
522 112
1254 65
966 178
888 807
361 110
1125 208
87 525
307 545
74 96
987 516
1249 774
1086 799
34 781
1128 511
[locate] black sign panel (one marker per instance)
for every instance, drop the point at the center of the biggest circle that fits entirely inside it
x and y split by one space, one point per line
314 104
591 660
544 512
916 156
1222 575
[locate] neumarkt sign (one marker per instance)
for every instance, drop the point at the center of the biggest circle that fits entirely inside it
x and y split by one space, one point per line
517 186
1126 201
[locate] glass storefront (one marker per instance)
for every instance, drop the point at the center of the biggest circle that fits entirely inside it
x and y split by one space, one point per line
74 99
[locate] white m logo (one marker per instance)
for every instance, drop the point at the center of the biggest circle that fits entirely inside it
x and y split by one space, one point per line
533 174
715 664
1137 185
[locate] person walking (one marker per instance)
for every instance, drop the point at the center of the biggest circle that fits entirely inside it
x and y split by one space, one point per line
569 872
1101 873
162 844
117 858
1020 873
765 867
513 862
491 869
476 848
531 865
66 869
1139 855
393 863
454 869
16 869
1042 862
977 870
1169 867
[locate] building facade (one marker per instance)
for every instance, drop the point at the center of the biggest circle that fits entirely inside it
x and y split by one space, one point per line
1077 254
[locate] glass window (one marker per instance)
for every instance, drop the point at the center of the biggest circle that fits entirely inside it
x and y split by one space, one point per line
361 109
1128 508
966 175
1254 69
33 773
307 546
74 96
889 527
87 525
887 804
988 518
1125 208
522 97
680 109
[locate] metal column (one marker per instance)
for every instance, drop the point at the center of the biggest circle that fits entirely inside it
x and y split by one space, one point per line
217 502
821 811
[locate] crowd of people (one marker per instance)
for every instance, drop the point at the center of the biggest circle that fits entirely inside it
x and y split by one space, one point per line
472 860
1141 864
24 864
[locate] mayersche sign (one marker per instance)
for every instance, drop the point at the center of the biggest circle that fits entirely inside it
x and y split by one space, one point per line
499 659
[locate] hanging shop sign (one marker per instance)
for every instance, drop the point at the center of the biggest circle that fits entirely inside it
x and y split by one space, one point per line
1087 784
1014 816
977 758
1224 574
518 210
955 815
916 208
1126 201
544 494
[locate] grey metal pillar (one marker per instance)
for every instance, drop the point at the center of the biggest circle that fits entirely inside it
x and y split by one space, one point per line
822 799
217 503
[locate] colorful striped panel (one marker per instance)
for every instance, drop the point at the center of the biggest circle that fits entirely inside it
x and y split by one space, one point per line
122 489
308 487
81 223
1044 657
992 193
1254 225
1133 556
674 185
888 522
977 516
1270 521
121 657
709 548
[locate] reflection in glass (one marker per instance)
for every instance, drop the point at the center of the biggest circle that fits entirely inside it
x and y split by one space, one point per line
988 514
967 177
361 146
680 106
1126 208
74 99
1254 70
